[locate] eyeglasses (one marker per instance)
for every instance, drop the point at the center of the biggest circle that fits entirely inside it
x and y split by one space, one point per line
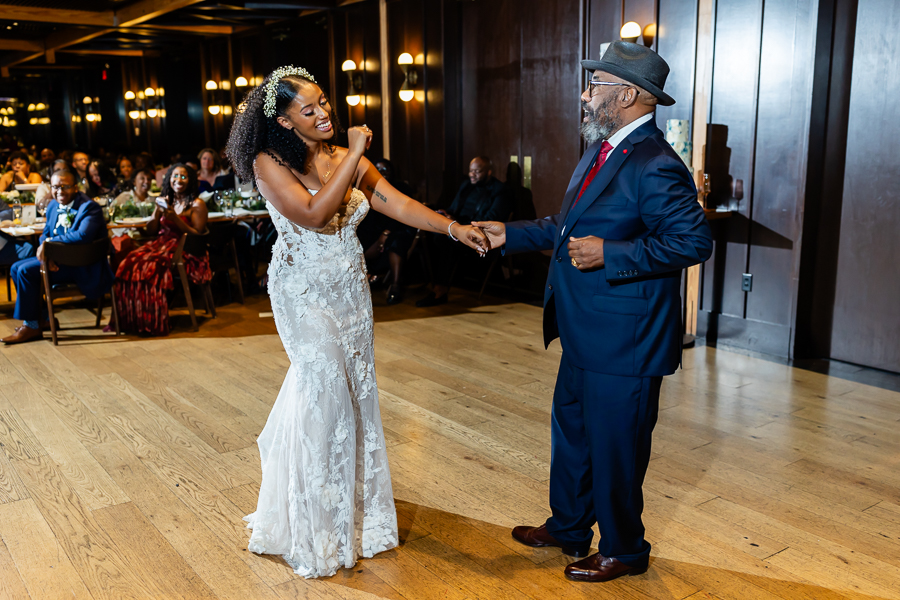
181 177
56 188
592 84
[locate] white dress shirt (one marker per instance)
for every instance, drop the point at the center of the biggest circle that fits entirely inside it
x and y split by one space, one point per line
617 138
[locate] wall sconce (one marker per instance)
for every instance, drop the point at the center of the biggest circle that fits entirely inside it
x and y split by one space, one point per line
354 82
144 103
215 94
240 82
410 77
631 31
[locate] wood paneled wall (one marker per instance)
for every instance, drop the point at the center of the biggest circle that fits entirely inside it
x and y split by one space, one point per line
866 323
756 154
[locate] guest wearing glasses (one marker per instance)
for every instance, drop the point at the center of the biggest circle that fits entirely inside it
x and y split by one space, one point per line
72 218
80 163
145 275
19 173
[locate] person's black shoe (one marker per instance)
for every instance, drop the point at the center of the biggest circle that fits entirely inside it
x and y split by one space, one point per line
431 300
394 295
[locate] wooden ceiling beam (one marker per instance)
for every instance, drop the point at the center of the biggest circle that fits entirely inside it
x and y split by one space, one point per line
128 16
145 10
23 45
112 52
57 15
197 29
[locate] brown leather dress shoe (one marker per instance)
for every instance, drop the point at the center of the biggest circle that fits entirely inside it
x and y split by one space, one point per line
537 537
598 568
23 334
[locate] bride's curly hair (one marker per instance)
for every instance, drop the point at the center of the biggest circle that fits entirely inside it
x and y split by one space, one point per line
253 132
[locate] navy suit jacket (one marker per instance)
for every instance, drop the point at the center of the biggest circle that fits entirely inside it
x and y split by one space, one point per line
88 226
623 319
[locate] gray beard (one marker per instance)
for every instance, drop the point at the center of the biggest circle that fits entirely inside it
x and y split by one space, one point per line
601 124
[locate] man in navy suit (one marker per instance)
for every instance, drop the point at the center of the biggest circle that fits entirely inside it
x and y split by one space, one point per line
72 218
629 224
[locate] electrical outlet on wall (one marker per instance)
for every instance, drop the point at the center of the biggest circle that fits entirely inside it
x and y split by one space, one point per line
747 282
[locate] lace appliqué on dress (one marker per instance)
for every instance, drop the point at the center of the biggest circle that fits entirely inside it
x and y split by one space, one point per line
326 496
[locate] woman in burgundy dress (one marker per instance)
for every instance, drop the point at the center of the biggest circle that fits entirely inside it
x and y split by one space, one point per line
145 275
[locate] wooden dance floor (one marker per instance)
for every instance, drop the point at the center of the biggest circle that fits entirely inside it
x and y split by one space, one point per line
126 465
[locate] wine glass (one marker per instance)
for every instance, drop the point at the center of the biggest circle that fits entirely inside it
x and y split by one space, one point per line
17 212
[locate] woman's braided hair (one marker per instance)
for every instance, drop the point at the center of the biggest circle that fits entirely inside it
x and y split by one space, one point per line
254 132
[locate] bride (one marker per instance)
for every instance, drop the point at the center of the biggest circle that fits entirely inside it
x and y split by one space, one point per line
326 497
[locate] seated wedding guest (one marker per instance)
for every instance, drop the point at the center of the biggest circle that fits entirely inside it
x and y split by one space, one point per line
386 242
139 188
523 201
48 159
145 275
211 175
80 162
481 195
43 195
144 160
100 180
12 248
72 218
124 168
19 173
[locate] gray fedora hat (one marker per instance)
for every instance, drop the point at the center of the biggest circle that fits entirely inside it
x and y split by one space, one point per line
635 64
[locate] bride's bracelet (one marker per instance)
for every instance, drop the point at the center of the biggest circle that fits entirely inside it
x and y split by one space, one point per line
455 239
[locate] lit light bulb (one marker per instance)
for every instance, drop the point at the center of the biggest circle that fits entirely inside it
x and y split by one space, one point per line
214 109
129 95
405 59
134 114
630 31
87 100
407 95
240 82
353 100
33 121
89 117
348 65
31 107
44 120
212 85
40 106
152 112
149 92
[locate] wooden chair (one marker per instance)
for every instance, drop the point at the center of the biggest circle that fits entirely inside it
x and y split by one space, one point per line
74 255
196 245
223 253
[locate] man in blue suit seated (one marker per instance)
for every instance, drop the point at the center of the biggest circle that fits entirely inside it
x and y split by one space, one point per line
629 224
72 218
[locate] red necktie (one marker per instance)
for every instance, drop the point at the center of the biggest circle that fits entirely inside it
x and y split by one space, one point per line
605 147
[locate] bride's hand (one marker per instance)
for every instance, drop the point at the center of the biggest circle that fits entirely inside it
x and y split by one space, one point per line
359 139
473 237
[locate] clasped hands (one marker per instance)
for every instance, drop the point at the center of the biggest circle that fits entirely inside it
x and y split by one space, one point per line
586 253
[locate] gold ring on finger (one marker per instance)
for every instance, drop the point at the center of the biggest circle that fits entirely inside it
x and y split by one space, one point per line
574 264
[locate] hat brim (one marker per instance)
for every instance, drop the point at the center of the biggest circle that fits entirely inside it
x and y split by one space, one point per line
596 65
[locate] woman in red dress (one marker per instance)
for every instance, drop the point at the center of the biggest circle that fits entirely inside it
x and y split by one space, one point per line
145 275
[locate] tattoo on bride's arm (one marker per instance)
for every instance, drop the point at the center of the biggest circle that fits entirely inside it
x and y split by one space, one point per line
382 196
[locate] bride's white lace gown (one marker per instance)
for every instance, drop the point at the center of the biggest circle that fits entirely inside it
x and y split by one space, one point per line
326 495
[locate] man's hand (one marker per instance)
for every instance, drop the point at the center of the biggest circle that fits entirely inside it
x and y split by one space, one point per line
473 237
52 266
494 230
586 252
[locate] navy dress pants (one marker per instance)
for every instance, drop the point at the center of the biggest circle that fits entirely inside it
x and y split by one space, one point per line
26 274
601 432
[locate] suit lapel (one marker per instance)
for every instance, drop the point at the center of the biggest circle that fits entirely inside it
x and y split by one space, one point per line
587 159
614 162
609 169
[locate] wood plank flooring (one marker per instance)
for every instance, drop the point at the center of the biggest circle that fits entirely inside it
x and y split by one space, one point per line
126 465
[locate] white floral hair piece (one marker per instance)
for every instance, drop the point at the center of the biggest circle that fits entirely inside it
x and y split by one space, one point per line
272 85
